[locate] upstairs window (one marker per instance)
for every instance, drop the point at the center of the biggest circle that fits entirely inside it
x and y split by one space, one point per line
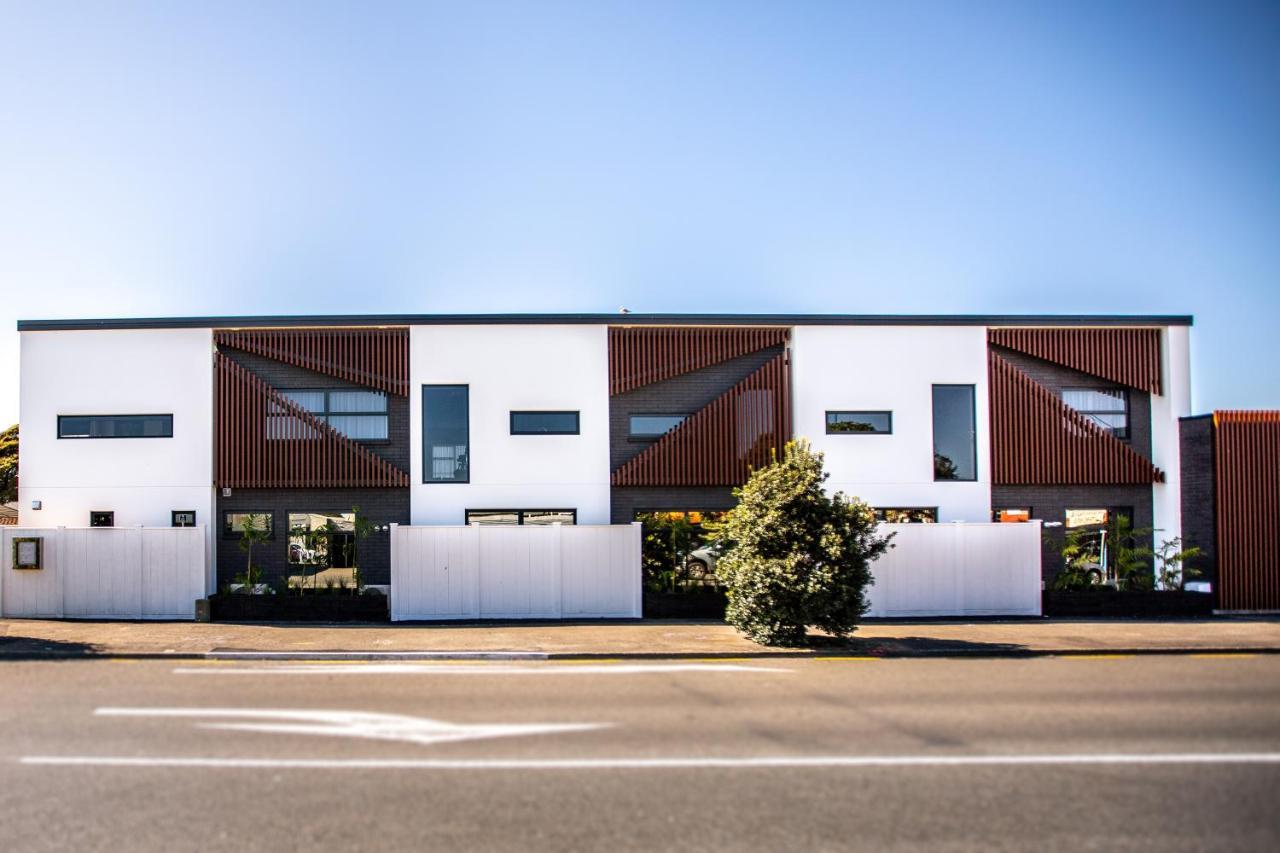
907 514
357 414
115 426
544 423
955 440
446 434
650 427
1106 407
862 423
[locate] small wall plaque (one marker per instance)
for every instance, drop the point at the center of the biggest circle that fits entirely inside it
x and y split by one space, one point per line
26 553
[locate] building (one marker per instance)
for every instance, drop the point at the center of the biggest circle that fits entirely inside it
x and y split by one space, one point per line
588 419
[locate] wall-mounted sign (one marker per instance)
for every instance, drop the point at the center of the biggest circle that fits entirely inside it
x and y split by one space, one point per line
26 553
184 518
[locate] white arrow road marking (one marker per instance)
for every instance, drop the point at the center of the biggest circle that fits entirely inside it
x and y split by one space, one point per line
452 669
361 724
763 762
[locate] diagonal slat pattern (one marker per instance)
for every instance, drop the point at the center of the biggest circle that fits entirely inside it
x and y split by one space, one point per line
375 358
1126 356
642 355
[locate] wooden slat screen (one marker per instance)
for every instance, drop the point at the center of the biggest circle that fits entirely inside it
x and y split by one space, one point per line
1247 488
719 445
310 453
1125 356
375 358
1036 439
641 355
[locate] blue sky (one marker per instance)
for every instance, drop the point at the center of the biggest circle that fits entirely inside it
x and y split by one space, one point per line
854 157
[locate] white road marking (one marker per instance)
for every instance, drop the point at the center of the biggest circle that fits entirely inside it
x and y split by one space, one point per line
463 669
762 762
360 724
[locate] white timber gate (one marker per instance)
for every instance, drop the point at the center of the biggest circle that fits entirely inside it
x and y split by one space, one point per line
958 569
515 572
104 573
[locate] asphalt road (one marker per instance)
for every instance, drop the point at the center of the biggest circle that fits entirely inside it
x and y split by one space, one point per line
1150 753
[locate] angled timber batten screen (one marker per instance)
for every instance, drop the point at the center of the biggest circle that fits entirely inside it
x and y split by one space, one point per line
374 358
642 355
1126 356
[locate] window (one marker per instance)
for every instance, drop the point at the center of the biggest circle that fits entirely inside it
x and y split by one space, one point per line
865 423
322 539
955 446
907 514
522 516
115 426
182 518
357 414
649 427
1106 407
233 523
102 519
1011 516
446 432
544 423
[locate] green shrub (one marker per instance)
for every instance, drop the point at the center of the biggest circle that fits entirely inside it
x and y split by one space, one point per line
793 556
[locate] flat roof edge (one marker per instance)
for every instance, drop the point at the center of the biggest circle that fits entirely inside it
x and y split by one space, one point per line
612 320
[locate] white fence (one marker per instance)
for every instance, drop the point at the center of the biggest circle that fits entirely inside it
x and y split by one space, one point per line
106 572
520 572
958 570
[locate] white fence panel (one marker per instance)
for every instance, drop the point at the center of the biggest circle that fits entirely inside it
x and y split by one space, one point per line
958 570
523 572
107 572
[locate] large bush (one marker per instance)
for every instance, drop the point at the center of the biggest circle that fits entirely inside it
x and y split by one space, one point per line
794 557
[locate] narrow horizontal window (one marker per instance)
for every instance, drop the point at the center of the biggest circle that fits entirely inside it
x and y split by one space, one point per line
521 516
865 423
234 523
907 514
544 423
115 426
648 427
1106 407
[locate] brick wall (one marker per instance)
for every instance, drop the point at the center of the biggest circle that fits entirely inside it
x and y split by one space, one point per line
382 506
1199 526
626 501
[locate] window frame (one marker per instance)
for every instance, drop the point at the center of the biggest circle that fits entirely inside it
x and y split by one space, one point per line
173 517
647 437
888 413
325 415
577 421
61 418
329 547
109 513
1123 435
422 426
229 533
973 429
519 514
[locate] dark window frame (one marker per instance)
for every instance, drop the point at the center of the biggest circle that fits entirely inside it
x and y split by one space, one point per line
888 413
519 514
173 517
1123 434
288 539
647 437
229 533
973 430
61 418
577 421
324 415
110 517
422 425
930 509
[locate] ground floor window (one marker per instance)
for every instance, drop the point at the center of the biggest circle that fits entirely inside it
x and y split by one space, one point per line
1011 515
323 539
907 514
679 551
522 516
233 523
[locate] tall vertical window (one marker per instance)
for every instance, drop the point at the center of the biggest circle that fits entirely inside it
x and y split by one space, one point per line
955 446
446 434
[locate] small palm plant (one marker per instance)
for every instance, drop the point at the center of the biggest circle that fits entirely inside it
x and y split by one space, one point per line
254 531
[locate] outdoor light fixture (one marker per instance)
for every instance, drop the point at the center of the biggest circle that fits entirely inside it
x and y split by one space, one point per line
36 504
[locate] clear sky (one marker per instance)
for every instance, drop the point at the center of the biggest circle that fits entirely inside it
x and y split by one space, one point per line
253 158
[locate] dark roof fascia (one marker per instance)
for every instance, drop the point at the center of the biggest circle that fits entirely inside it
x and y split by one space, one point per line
339 320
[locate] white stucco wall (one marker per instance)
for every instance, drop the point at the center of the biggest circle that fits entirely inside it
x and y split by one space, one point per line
1166 409
894 368
531 367
116 372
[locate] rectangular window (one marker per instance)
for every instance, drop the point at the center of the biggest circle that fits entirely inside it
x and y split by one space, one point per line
326 539
182 518
907 514
865 423
955 444
115 426
649 427
522 516
102 519
1011 516
357 414
1106 407
544 423
233 523
446 434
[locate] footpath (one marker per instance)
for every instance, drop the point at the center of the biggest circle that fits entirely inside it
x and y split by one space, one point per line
38 639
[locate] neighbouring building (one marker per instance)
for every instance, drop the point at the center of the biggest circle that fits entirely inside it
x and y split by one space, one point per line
589 419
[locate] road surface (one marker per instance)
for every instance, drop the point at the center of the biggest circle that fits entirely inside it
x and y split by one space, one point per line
1141 753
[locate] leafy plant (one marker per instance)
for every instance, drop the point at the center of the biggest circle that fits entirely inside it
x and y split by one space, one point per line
362 527
9 464
1171 563
793 556
668 539
253 532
